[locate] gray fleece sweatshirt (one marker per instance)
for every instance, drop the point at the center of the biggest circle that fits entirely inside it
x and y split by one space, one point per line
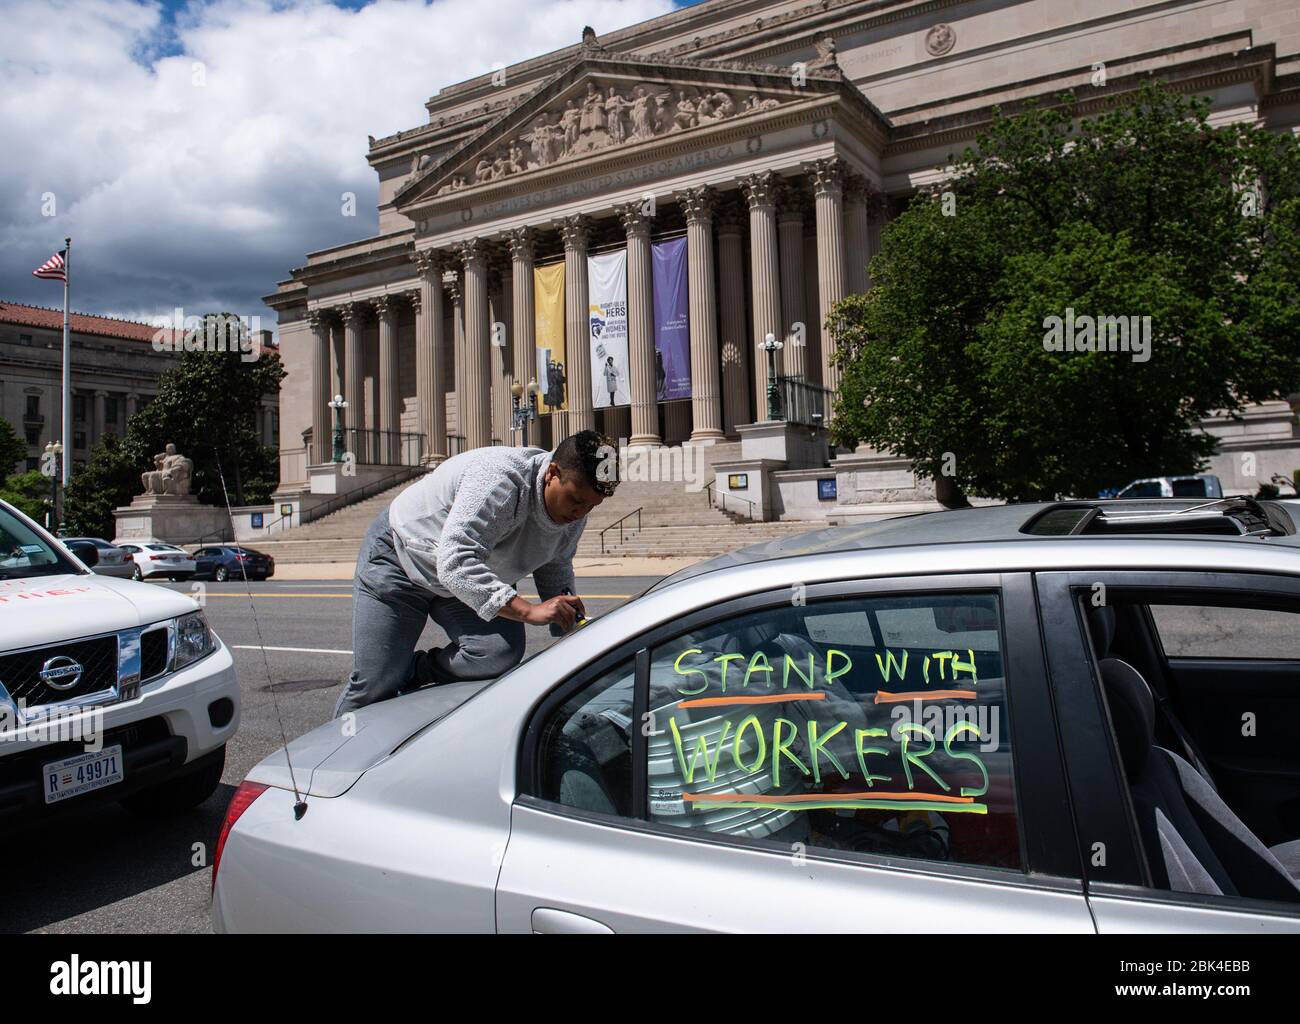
477 525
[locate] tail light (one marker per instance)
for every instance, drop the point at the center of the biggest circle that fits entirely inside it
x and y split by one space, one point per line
239 803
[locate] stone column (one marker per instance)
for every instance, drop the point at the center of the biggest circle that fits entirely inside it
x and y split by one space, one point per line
476 419
457 350
430 342
877 214
100 423
388 421
764 264
855 233
322 432
827 175
501 349
792 360
577 325
732 322
336 354
132 405
354 415
525 326
640 327
706 409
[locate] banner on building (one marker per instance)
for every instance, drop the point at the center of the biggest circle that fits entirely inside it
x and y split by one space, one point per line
672 321
548 321
607 292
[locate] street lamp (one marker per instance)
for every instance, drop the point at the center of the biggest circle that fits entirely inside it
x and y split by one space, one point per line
53 451
338 405
523 415
772 345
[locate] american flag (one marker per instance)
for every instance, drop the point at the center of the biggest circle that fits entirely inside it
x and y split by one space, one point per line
52 269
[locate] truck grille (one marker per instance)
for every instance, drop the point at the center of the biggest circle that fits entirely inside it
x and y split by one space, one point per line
153 653
20 673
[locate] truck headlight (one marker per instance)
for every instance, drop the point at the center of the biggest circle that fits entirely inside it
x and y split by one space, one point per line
193 640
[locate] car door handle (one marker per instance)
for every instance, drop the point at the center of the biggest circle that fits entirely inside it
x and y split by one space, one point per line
549 921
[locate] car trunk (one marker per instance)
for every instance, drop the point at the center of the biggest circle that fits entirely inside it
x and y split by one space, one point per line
326 762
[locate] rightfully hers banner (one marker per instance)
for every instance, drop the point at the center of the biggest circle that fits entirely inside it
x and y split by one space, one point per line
672 321
548 310
607 294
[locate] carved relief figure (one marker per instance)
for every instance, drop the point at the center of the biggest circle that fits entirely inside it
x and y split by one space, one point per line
571 119
685 116
615 105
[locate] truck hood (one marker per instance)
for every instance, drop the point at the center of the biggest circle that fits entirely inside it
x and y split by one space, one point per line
326 762
47 609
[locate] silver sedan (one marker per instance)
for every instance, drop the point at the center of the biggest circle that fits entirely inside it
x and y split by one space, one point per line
927 724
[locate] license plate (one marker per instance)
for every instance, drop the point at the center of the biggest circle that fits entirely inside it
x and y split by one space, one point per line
82 774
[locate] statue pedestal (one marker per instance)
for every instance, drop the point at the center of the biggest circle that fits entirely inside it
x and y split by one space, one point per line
174 518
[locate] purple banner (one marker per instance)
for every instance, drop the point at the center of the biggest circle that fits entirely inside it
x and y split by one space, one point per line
672 321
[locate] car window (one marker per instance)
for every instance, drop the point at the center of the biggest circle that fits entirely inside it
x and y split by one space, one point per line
129 547
1188 488
24 552
877 725
586 746
1150 489
1208 631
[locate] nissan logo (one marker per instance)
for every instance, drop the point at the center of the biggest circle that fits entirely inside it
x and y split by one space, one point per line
61 673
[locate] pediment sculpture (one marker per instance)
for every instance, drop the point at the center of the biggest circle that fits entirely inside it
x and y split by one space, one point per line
604 117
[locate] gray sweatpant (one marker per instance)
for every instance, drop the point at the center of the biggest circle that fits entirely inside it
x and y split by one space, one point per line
388 615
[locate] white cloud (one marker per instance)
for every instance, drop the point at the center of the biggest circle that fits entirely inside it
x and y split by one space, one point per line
194 163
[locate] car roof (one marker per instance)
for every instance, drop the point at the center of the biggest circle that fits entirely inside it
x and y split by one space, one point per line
999 525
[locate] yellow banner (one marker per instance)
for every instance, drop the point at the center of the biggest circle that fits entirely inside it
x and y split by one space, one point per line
548 310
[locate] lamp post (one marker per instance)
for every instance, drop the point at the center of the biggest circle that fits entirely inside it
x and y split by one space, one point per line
338 405
772 345
523 415
53 451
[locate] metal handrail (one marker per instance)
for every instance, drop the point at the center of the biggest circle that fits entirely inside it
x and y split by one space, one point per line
458 447
802 402
619 523
384 447
724 495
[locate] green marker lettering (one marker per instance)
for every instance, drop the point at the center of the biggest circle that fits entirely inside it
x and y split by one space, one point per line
965 755
858 736
755 667
677 667
965 666
890 665
807 679
817 746
780 746
910 759
726 660
831 674
942 658
757 766
701 748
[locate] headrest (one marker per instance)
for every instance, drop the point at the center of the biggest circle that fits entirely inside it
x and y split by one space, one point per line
1132 711
1101 622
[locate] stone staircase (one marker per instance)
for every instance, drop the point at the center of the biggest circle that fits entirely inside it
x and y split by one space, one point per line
674 522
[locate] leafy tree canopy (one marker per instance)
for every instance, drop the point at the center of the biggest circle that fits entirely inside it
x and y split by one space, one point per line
1142 211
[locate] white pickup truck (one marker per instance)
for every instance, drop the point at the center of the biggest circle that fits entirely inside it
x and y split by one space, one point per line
109 689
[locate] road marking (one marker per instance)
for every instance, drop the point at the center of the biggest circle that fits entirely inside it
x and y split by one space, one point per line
294 650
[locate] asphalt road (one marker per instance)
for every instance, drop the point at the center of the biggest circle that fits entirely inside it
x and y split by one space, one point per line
107 871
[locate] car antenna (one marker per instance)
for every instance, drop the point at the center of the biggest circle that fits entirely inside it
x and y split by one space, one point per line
299 804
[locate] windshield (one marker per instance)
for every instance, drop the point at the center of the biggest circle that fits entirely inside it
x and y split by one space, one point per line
24 551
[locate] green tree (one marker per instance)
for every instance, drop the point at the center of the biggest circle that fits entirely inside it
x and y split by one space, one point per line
28 492
1144 210
13 449
206 406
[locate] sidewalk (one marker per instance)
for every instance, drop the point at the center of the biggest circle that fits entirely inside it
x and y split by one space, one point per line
603 566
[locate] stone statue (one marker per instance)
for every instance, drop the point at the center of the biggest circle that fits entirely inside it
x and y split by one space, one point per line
171 473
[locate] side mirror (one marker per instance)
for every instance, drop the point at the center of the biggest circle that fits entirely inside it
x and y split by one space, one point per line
86 551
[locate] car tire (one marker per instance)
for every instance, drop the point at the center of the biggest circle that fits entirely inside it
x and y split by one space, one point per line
222 574
178 795
136 574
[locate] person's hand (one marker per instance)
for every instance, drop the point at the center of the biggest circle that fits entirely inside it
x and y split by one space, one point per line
563 611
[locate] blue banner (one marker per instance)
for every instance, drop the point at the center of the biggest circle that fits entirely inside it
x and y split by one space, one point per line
672 321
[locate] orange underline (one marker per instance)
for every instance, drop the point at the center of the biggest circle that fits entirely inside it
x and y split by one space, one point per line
776 698
883 697
798 798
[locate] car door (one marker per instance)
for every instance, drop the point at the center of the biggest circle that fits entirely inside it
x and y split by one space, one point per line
865 756
1122 885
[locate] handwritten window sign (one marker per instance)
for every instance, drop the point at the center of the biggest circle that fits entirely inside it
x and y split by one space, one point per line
803 724
737 481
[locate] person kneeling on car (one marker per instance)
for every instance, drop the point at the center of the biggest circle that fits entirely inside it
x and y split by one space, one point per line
453 546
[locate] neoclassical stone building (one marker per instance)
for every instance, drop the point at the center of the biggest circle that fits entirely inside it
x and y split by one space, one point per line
775 137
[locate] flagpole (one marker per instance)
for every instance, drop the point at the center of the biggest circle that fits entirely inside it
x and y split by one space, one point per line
67 364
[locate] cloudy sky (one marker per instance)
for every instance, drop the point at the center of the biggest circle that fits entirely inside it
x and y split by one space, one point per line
195 152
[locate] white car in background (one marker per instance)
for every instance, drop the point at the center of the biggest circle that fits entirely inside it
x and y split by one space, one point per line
109 689
158 558
110 560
